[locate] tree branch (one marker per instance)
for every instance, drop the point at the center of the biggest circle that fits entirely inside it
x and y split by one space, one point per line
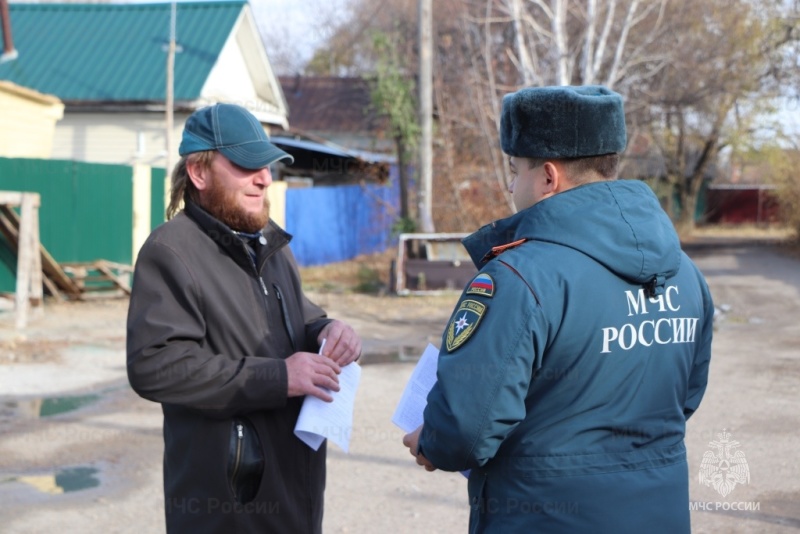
601 43
626 27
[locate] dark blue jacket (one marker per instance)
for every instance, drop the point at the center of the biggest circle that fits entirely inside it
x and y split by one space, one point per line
570 366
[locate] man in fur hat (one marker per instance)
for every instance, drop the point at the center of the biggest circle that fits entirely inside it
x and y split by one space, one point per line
574 358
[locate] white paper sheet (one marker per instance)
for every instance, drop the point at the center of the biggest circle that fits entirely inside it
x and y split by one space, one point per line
408 414
319 420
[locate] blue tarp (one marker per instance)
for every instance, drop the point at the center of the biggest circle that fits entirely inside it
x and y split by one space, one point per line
332 224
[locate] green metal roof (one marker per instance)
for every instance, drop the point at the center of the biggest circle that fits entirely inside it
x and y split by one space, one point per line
116 52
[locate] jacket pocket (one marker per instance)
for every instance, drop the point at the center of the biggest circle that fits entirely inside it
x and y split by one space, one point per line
287 318
245 461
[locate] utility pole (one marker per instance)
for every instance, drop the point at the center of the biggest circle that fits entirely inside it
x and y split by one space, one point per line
426 114
170 96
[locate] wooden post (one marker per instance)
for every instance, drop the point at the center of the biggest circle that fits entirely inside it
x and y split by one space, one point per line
24 264
37 287
23 235
29 278
426 114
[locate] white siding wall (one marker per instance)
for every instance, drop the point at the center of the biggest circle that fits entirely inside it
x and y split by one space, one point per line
27 124
122 138
242 75
230 81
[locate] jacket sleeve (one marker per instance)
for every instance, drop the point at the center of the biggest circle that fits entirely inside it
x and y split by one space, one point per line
316 319
168 358
698 377
479 396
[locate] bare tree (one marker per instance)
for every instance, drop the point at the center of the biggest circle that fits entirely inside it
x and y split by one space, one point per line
583 43
509 44
694 75
732 57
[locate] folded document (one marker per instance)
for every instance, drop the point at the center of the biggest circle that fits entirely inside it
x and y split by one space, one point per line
319 420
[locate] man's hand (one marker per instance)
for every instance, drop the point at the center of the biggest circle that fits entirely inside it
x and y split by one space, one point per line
411 440
342 344
309 373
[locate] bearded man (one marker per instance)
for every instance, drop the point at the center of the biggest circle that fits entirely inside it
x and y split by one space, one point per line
221 334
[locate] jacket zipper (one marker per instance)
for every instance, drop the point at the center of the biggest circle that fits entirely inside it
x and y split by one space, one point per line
238 458
255 270
284 311
260 280
287 323
264 287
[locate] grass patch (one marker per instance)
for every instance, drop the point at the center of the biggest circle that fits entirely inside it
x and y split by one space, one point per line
363 274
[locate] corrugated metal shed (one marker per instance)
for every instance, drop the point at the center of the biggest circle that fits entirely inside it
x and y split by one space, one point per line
329 164
116 52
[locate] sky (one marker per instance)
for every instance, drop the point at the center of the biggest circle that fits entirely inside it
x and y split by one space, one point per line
790 115
293 29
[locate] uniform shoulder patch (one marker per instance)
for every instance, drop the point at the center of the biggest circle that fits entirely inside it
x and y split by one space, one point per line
481 285
464 323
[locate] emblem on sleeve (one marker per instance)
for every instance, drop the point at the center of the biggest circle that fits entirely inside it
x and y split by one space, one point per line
481 285
464 323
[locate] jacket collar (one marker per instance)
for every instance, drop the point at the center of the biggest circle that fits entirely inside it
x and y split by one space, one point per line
493 236
618 223
221 234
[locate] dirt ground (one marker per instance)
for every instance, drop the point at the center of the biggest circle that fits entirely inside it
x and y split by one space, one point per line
79 452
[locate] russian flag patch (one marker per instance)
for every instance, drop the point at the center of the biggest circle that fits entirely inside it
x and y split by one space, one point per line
481 285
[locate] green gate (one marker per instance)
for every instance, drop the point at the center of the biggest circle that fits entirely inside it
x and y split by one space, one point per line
86 210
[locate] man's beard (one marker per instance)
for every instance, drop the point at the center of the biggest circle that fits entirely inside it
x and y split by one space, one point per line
222 204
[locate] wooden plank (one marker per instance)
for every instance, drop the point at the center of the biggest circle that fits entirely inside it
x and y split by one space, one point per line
51 287
50 266
78 273
11 235
11 198
103 267
58 276
37 293
119 266
99 276
14 198
9 229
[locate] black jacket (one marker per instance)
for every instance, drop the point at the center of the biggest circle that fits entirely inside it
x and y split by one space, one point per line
208 331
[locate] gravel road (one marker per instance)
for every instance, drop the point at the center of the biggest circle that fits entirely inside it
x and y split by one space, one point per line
80 453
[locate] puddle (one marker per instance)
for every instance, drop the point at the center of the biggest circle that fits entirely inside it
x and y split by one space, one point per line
391 355
77 478
65 480
34 408
47 406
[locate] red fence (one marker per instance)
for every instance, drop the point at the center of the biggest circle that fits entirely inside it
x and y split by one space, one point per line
742 204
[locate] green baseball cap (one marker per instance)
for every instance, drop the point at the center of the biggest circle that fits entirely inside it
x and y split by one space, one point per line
234 132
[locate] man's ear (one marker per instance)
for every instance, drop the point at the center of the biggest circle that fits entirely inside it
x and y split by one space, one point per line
553 175
200 175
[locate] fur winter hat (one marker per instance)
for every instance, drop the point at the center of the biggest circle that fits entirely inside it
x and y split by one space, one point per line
562 122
